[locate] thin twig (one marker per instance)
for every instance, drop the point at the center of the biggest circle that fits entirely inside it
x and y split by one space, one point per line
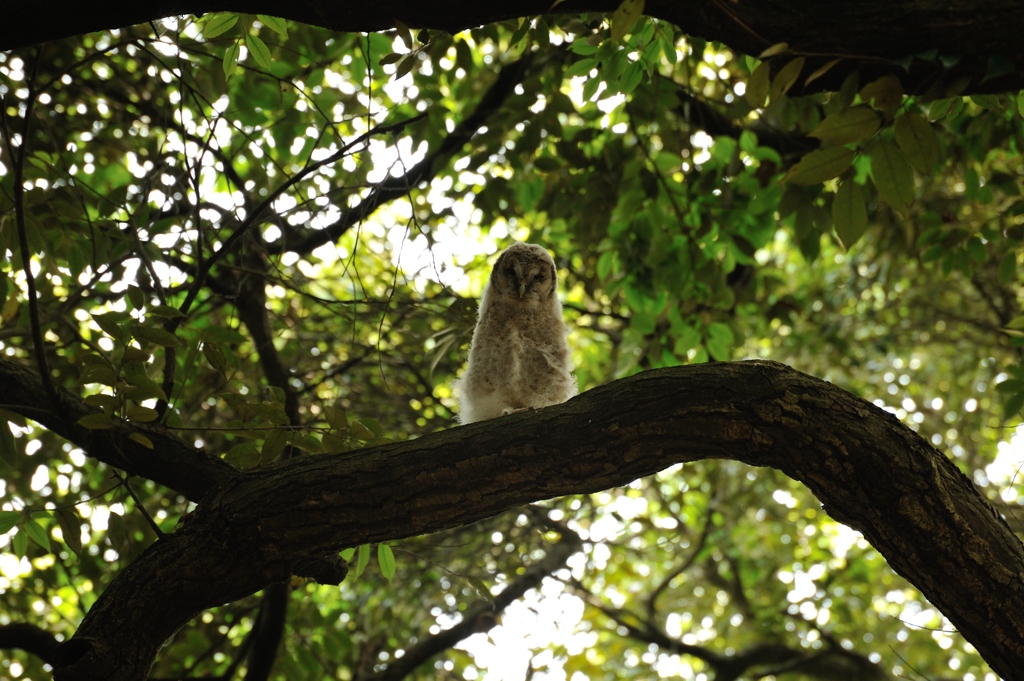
18 160
138 504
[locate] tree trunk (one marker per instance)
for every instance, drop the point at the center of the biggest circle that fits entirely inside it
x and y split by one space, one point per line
869 471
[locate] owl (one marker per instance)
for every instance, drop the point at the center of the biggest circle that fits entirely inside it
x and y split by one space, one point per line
519 355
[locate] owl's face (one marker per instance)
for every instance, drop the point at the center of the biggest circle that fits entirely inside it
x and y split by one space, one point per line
524 273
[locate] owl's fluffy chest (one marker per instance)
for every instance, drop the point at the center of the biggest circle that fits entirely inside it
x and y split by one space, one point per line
516 362
521 350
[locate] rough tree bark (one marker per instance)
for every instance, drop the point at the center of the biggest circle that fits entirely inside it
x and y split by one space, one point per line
867 35
869 471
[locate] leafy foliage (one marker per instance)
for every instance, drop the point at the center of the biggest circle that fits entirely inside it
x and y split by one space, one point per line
269 237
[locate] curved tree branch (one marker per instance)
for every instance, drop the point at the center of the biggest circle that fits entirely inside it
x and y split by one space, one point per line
867 35
869 471
30 638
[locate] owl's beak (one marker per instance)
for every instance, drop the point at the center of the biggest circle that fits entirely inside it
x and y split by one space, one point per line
522 289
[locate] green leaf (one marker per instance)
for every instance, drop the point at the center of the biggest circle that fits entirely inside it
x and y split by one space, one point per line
404 33
849 213
885 94
258 50
941 108
361 432
308 442
36 533
390 58
147 390
845 127
109 402
721 332
386 559
373 425
1014 385
166 311
631 78
1008 268
9 519
274 444
986 101
688 338
154 335
759 85
271 413
892 175
916 138
142 415
70 529
231 58
11 307
216 356
133 354
405 66
582 67
117 533
820 166
98 373
787 77
363 559
19 545
218 24
142 440
976 250
243 456
719 341
624 18
777 48
1014 404
336 418
334 444
1020 103
136 297
346 554
821 71
112 325
96 422
279 26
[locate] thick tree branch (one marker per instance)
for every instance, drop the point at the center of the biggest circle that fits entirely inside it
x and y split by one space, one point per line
172 462
268 632
30 638
867 35
870 472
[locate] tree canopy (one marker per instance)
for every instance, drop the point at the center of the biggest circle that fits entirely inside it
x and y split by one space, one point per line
240 261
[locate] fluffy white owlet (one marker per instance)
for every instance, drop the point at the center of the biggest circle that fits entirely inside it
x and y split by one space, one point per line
519 357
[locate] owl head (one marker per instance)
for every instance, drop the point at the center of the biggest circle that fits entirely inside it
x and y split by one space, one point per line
525 273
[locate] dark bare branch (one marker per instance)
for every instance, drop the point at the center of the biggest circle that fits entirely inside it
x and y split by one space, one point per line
30 638
482 617
396 187
172 462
